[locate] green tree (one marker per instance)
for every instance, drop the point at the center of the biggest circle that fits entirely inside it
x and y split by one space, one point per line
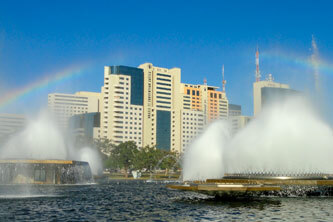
104 145
170 161
147 158
123 156
151 158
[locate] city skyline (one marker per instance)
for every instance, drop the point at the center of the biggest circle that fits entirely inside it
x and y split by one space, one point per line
69 57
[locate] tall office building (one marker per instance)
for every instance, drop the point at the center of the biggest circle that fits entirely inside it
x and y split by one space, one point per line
162 107
122 104
63 106
259 93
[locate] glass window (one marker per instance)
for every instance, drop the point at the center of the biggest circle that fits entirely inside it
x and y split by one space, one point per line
193 93
136 75
188 92
163 130
164 75
163 84
197 93
162 88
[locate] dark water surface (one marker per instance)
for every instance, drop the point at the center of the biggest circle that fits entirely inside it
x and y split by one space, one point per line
142 201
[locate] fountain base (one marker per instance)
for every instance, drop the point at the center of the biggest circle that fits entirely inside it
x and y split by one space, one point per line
247 185
44 172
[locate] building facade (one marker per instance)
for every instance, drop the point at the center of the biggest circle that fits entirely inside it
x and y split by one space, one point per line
162 107
122 104
234 110
207 99
257 92
192 124
201 104
150 106
63 106
86 125
10 124
238 122
271 95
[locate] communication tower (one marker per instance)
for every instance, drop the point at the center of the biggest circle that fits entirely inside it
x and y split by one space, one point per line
257 66
224 82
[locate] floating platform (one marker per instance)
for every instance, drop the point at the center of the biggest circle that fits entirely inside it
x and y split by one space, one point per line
261 185
24 171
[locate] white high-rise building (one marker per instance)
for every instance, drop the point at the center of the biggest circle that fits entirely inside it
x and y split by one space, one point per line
122 105
162 106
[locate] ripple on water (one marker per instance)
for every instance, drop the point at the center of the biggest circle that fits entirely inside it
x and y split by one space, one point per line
138 200
26 196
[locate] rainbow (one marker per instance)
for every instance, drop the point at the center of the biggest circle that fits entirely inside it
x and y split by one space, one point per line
299 61
59 76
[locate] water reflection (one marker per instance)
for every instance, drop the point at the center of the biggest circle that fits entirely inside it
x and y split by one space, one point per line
135 200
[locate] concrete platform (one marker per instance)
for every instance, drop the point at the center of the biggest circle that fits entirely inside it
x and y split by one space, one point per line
259 187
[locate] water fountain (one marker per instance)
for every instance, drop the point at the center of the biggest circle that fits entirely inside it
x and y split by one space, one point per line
286 150
39 155
177 160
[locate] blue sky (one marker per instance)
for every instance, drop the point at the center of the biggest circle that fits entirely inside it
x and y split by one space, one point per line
42 37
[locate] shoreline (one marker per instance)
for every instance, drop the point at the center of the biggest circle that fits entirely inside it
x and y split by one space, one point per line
155 177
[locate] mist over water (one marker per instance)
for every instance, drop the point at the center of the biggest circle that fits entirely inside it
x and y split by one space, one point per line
287 137
92 157
42 139
204 158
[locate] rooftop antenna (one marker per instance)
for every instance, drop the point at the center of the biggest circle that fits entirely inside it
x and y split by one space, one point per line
224 82
257 66
205 81
269 78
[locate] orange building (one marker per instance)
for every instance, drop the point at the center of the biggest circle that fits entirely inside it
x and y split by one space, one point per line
195 93
207 99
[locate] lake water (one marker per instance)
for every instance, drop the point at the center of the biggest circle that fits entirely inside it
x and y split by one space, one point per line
142 201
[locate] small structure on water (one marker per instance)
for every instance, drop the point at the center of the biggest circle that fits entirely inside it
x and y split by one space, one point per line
44 172
256 185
